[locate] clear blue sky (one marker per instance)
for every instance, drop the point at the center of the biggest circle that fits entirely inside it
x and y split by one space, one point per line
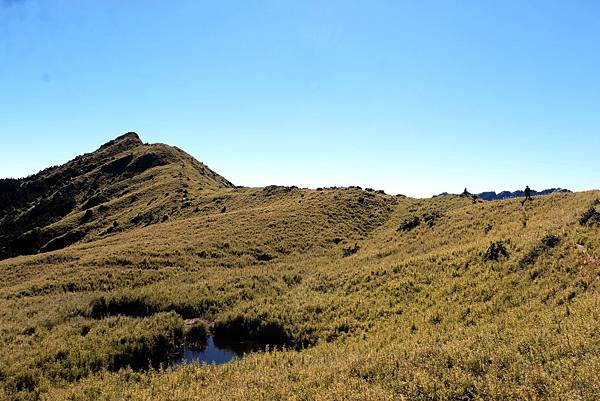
414 97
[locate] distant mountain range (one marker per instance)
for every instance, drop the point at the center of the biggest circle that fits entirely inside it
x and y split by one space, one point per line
489 196
492 195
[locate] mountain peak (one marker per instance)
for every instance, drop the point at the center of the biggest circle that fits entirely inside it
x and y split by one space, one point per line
125 184
128 135
127 140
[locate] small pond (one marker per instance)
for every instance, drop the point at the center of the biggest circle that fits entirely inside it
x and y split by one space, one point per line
214 351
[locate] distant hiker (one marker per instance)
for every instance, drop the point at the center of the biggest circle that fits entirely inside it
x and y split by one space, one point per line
466 193
527 195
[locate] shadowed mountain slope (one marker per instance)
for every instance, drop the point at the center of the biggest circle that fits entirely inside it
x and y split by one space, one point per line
125 183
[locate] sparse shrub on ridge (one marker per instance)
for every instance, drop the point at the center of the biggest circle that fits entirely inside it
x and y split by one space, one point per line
87 216
591 217
548 242
431 218
409 224
350 250
495 251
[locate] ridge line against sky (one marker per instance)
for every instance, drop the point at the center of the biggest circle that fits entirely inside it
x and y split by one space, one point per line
411 97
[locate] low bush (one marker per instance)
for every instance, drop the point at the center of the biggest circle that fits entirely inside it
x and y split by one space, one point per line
495 251
431 218
197 334
143 305
110 344
351 250
139 307
63 241
591 217
409 224
243 327
548 242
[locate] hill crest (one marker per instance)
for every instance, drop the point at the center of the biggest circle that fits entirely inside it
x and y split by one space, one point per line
84 197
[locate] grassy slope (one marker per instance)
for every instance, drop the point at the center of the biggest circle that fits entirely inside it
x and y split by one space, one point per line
413 314
122 185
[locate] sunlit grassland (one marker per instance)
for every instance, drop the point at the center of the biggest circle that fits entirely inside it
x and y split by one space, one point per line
417 314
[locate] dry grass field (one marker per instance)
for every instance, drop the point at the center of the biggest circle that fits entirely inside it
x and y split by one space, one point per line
355 294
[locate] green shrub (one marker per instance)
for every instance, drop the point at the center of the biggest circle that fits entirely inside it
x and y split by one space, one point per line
110 344
128 306
591 217
431 218
252 328
548 242
197 334
351 250
495 251
409 224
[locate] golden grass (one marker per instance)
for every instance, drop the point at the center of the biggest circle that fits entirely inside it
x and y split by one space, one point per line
416 314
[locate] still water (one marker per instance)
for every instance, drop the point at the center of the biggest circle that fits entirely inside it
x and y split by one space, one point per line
216 352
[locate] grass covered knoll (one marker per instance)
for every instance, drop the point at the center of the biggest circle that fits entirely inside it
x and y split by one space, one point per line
419 314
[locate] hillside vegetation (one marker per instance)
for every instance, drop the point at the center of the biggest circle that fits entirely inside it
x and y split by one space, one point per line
123 184
359 295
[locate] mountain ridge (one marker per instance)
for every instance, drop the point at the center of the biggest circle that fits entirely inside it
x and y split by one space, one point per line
123 184
84 197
